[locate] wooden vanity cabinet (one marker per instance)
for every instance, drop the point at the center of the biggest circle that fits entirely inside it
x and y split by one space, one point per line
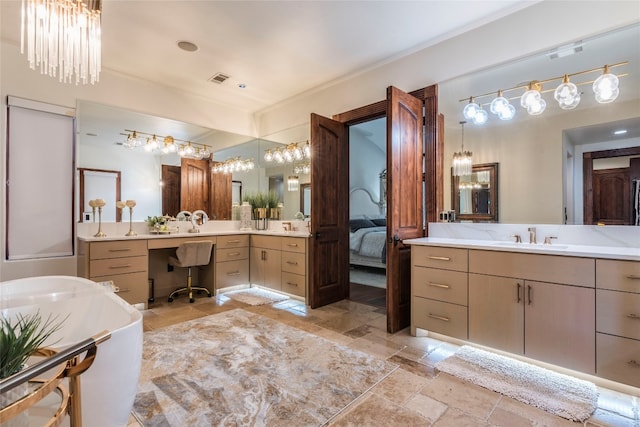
618 320
123 262
540 306
294 265
232 260
266 261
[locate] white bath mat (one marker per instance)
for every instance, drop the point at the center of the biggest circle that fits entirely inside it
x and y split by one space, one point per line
556 393
256 296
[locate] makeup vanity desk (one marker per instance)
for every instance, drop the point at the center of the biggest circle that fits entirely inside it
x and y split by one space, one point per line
134 263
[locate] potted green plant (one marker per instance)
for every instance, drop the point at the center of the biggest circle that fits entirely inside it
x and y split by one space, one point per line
21 338
156 223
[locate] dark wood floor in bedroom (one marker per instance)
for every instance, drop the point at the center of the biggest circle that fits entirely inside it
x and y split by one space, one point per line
369 295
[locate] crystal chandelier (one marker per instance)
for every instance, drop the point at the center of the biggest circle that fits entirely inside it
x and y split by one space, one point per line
63 38
462 160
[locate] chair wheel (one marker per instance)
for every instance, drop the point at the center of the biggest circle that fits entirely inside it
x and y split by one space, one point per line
191 300
170 299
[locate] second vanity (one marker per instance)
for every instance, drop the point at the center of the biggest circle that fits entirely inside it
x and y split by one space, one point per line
573 306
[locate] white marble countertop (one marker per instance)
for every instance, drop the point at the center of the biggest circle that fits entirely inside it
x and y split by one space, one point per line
609 252
172 235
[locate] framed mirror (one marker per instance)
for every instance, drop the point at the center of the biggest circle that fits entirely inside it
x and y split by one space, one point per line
475 197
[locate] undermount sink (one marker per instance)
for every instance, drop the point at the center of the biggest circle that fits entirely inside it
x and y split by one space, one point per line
528 245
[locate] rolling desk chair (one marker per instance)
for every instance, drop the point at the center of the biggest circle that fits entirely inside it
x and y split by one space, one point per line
191 254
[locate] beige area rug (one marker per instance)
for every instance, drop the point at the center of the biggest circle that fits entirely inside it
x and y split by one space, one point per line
256 296
556 393
239 368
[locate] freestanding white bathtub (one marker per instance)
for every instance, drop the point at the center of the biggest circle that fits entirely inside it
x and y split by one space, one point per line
109 386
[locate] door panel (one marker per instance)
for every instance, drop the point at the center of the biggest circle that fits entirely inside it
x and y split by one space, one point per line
220 196
404 199
194 191
170 190
612 196
329 244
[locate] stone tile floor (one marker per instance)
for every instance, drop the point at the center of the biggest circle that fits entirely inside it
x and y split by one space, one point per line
415 394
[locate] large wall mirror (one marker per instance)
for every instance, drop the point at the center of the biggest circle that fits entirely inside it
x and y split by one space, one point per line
475 196
540 156
148 177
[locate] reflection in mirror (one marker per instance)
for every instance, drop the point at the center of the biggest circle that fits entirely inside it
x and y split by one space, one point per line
543 153
305 199
475 196
102 145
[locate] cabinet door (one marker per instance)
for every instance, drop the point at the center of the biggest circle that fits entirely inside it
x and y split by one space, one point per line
273 268
496 314
256 266
560 325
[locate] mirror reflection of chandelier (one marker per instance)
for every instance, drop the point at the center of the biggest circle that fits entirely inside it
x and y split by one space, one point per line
234 165
291 153
462 160
156 144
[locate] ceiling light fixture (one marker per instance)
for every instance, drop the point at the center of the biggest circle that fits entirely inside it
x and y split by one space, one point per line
567 94
620 132
293 152
462 160
234 165
63 38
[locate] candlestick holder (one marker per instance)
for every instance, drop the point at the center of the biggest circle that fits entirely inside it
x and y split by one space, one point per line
92 205
130 204
100 204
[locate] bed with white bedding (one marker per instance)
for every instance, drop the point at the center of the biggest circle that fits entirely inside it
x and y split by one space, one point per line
367 242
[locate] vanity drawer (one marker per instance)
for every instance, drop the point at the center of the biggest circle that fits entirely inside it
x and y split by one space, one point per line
232 273
293 262
235 241
134 287
442 285
266 242
618 275
111 266
117 249
438 257
541 268
618 313
293 244
440 317
232 254
618 359
293 284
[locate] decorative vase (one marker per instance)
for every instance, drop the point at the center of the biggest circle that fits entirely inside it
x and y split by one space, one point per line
245 217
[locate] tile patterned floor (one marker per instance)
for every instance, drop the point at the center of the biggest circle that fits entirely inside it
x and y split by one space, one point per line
415 394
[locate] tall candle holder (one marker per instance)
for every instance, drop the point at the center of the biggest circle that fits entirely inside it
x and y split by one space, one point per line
92 205
130 204
100 204
120 205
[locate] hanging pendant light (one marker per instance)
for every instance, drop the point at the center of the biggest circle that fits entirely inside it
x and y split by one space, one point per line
462 160
567 94
605 87
471 110
293 183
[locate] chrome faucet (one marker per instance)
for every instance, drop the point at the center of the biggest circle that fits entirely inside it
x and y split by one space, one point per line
532 235
518 238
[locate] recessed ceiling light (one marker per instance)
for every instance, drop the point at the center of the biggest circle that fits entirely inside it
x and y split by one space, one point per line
620 132
187 46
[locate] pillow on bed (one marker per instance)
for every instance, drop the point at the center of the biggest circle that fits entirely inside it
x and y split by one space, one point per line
357 224
380 222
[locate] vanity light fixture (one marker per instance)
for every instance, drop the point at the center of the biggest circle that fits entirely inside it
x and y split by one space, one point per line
165 145
567 94
63 38
293 152
462 160
233 165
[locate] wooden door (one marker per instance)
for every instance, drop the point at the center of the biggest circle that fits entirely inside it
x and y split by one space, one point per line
170 190
612 196
221 188
329 243
496 312
405 149
560 325
194 185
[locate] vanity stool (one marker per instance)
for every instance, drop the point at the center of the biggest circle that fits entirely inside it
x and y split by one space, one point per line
191 254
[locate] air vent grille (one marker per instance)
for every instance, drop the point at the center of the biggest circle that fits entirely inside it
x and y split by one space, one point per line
218 78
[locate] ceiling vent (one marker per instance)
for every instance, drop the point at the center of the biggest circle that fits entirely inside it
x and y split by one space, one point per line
218 78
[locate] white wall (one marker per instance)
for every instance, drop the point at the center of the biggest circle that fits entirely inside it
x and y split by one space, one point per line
366 162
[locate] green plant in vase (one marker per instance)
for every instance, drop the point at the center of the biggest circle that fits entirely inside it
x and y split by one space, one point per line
157 222
21 338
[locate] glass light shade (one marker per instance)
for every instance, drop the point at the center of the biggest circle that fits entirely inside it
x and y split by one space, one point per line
293 183
570 105
277 156
530 98
470 110
537 108
607 95
606 81
508 113
480 118
462 163
499 104
565 93
268 156
307 150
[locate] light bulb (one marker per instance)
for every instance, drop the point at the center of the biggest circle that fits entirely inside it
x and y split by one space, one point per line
566 91
537 107
606 95
480 118
529 98
470 110
507 113
570 105
268 155
499 104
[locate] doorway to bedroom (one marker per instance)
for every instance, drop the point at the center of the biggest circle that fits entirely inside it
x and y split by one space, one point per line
368 213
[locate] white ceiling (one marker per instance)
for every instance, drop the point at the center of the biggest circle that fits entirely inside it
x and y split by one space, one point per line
278 49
